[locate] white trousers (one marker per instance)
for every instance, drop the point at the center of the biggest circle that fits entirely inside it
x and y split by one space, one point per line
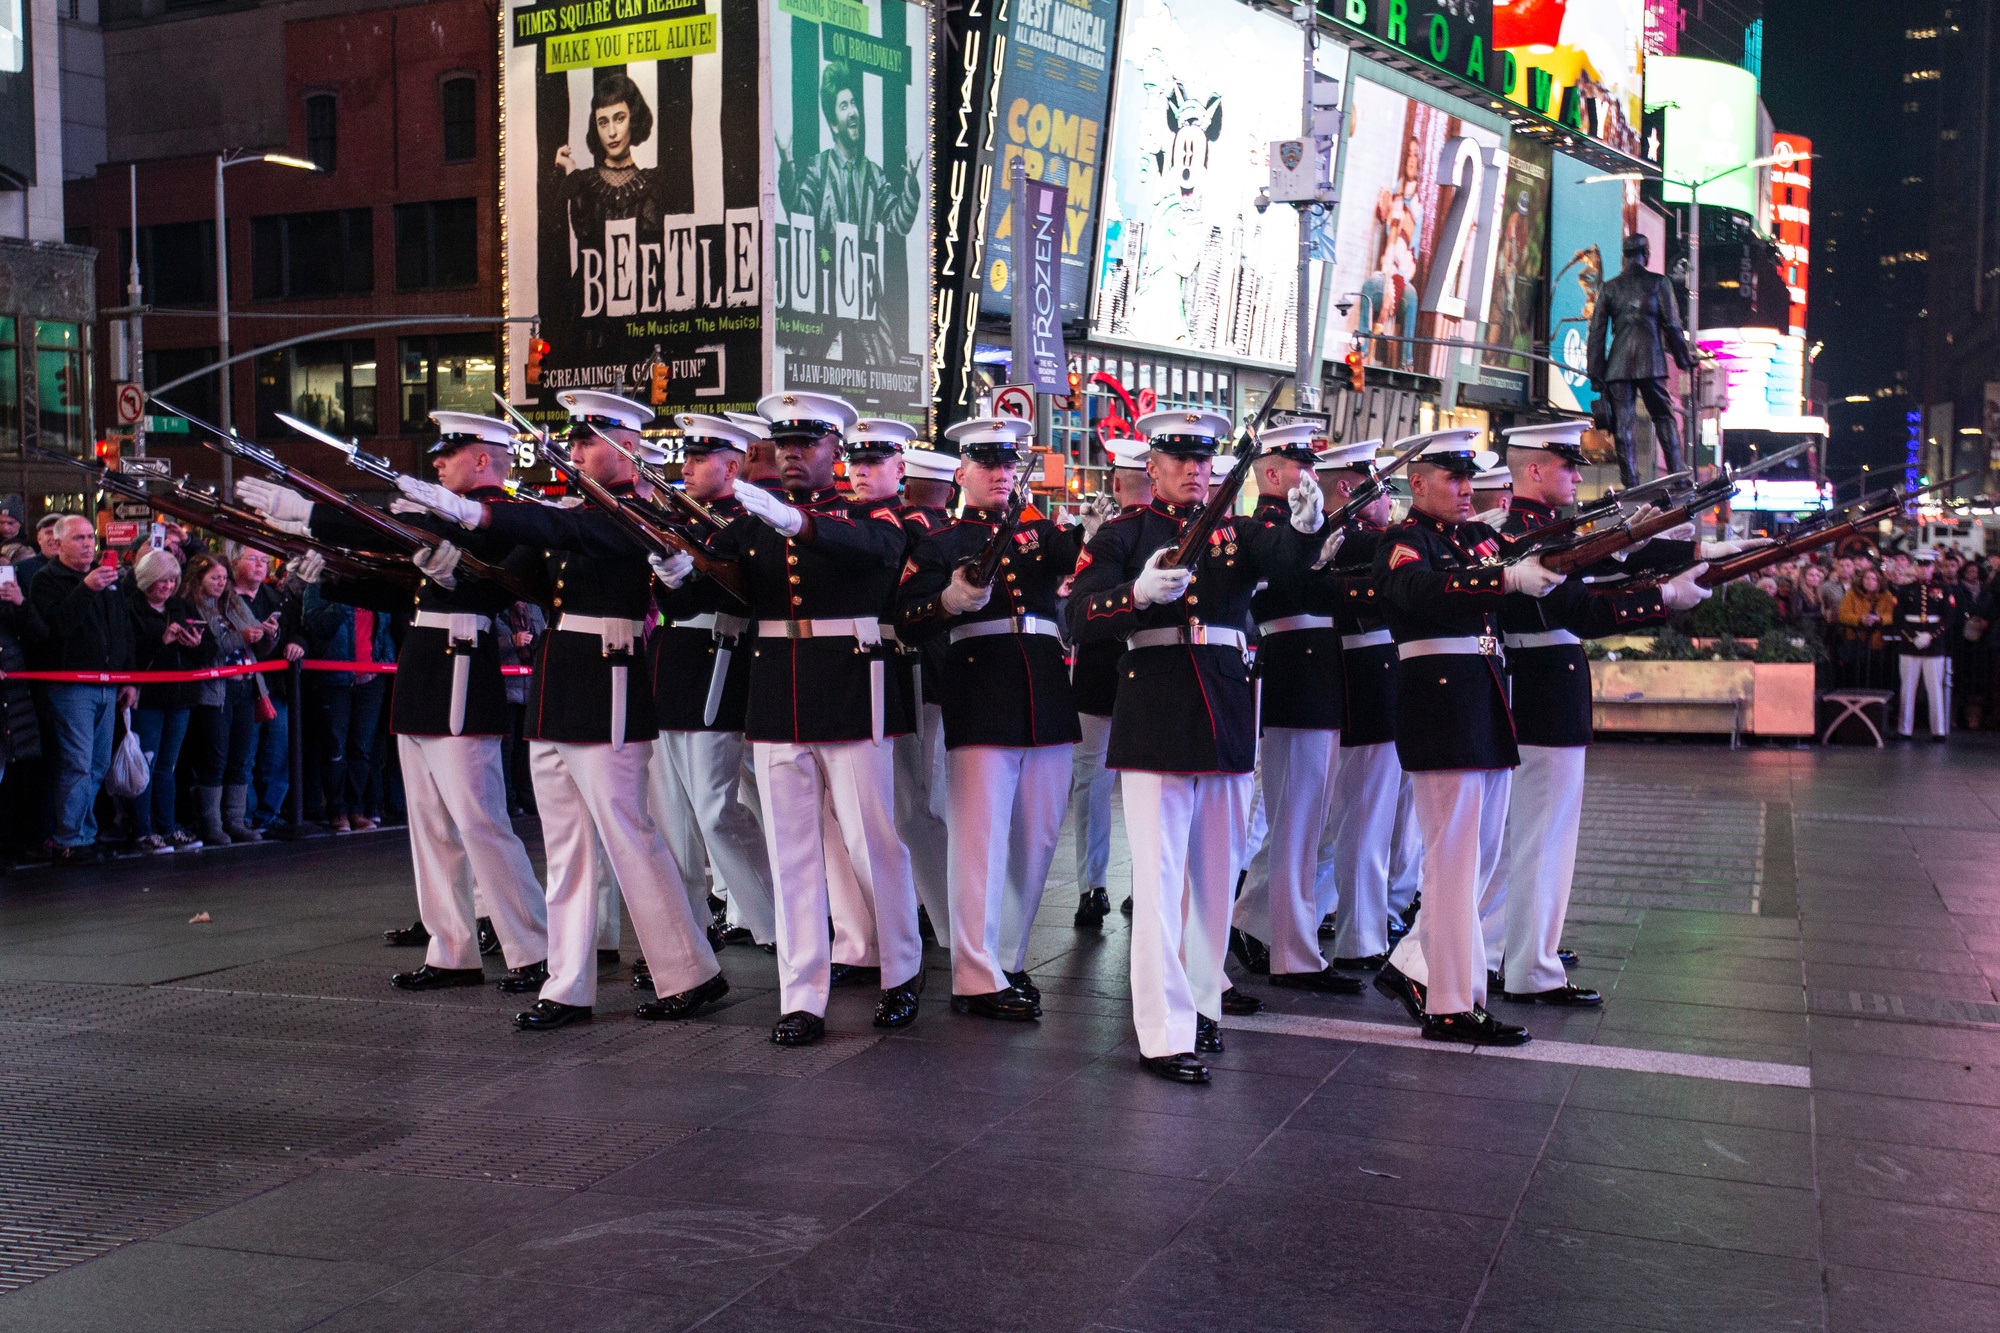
1935 673
1463 814
1406 857
696 777
460 837
1185 832
1523 915
1280 900
852 914
920 807
593 804
1090 793
793 781
610 926
1361 831
1006 812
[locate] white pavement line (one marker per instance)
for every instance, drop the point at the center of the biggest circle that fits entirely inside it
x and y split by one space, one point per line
1719 1068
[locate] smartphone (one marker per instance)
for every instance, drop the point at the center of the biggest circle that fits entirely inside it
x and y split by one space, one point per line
194 626
110 561
158 539
7 574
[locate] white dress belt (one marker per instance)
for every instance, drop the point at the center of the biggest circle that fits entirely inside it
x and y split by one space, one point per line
865 628
979 629
721 625
462 626
1469 645
1374 638
1283 624
616 634
1548 638
1174 636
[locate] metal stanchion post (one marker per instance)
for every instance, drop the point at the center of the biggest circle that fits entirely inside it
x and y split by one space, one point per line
295 799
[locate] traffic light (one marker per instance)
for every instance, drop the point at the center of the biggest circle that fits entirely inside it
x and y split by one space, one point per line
1075 399
659 390
108 452
1357 370
537 349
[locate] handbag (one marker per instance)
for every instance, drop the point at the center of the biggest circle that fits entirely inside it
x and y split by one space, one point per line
130 772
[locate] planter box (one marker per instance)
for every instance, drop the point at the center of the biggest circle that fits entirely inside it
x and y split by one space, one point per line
1767 698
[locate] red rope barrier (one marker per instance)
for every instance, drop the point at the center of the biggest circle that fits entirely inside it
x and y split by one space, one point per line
215 673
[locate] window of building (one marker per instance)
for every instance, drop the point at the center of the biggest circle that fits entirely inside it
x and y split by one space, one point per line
320 134
437 244
62 386
456 98
312 254
10 386
176 262
446 372
327 384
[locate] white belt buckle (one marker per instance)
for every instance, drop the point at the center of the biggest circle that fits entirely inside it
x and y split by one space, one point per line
1489 646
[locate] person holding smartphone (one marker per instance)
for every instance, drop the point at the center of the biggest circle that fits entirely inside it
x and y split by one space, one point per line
168 636
90 629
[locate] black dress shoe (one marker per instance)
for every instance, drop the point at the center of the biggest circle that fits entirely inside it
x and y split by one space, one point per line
1326 981
1250 951
642 972
1091 909
714 936
716 907
1009 1006
686 1003
925 930
410 937
1181 1068
607 958
853 974
1368 964
737 935
521 980
1025 984
1126 906
1567 957
1496 981
1409 914
1410 994
798 1028
1477 1028
1568 995
1239 1003
1328 927
1207 1036
438 978
489 942
898 1006
547 1016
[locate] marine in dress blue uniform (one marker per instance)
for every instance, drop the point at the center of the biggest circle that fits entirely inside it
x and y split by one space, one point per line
1183 733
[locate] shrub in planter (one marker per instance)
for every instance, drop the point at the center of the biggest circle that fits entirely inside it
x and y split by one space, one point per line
1789 645
1739 610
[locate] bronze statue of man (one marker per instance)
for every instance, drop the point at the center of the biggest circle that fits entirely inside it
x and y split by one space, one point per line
1637 315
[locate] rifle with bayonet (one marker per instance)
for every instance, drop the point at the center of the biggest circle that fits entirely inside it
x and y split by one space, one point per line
407 539
983 568
1606 506
1222 498
655 536
655 478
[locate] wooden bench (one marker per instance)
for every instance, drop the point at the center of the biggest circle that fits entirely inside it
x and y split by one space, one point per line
1855 704
1640 699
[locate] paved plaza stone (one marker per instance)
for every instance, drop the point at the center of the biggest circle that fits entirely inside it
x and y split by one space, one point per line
1787 1114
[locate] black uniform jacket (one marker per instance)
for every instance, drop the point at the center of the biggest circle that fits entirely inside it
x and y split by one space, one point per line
919 522
1924 608
1300 668
996 689
680 662
1551 684
843 566
592 567
1368 675
420 700
1093 671
1434 582
1184 708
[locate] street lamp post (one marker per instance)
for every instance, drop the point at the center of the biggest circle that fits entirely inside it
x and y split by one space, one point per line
224 161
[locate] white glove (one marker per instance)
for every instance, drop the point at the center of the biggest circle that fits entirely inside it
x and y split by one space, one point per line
1330 548
672 570
1308 509
962 594
308 567
769 508
1683 533
1922 641
293 526
1155 585
403 505
466 513
1682 593
274 501
1101 508
1716 550
438 562
1528 575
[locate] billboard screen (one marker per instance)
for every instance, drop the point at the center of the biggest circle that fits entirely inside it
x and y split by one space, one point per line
1587 226
1579 63
1516 316
1416 257
631 199
1185 261
1791 217
1711 127
851 240
1055 89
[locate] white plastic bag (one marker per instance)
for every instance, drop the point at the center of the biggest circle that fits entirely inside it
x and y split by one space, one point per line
130 773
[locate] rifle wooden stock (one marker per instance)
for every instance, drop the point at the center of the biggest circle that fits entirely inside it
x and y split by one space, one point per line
983 568
1603 545
1221 500
647 533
